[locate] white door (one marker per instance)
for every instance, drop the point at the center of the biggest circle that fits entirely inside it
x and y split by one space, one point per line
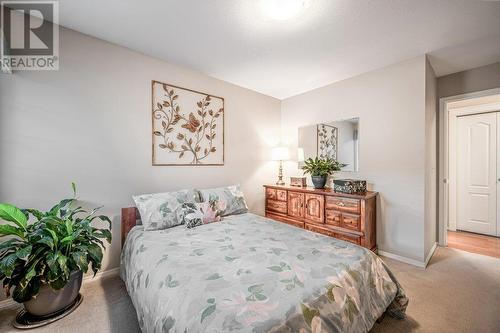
477 173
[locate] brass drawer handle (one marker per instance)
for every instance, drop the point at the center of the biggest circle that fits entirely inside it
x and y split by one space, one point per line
341 204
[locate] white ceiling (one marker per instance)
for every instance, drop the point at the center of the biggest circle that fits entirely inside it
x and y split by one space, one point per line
330 40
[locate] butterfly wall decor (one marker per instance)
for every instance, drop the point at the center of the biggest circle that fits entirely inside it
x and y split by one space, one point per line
188 126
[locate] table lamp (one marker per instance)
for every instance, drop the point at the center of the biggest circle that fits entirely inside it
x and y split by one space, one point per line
280 154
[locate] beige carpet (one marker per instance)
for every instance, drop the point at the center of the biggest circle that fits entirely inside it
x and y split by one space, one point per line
458 292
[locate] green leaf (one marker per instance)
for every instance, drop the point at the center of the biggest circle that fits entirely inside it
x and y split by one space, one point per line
54 211
6 230
24 252
7 264
47 240
69 226
31 273
62 260
36 213
208 311
53 234
80 259
52 262
103 233
21 293
67 239
95 252
9 245
106 219
73 186
13 214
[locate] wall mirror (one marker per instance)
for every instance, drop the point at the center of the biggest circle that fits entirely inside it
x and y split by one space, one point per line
338 140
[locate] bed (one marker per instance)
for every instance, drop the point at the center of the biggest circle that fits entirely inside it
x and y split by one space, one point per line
248 273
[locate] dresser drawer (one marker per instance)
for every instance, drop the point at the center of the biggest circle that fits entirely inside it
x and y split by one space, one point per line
349 238
271 193
281 195
275 194
277 206
343 204
351 221
332 217
319 230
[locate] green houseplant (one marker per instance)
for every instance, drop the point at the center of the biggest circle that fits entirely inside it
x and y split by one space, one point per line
320 169
43 255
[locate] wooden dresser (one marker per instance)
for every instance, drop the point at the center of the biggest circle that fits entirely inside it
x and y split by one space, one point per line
349 217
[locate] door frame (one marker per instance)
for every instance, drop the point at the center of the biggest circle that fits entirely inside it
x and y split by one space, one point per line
447 172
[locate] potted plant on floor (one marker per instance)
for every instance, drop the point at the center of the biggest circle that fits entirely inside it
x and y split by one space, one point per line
320 169
43 260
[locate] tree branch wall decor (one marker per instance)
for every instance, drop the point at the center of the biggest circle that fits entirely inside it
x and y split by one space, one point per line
188 126
327 141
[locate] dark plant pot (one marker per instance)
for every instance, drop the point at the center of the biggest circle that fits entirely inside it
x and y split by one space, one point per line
49 301
319 181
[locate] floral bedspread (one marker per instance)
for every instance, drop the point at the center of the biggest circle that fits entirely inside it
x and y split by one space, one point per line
251 274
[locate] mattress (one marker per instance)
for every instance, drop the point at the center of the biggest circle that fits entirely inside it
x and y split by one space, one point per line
248 273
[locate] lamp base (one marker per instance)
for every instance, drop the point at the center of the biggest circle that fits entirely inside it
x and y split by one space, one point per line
280 181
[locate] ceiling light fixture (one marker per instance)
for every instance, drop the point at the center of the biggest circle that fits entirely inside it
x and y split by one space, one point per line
283 9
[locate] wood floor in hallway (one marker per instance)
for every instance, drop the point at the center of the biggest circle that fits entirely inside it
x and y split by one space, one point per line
475 243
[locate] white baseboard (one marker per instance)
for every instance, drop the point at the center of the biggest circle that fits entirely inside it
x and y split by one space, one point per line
7 303
103 274
431 253
402 259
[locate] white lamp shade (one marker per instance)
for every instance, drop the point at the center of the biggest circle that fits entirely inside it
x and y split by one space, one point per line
280 154
300 155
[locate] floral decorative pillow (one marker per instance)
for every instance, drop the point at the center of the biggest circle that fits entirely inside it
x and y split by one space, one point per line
196 214
159 211
231 196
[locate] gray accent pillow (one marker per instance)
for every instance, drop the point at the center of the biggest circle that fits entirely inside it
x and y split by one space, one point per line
159 210
231 199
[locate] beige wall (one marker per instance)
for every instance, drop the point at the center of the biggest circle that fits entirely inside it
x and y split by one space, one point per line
90 122
390 104
477 79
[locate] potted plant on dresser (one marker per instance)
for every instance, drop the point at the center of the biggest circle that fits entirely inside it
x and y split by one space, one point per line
320 169
43 255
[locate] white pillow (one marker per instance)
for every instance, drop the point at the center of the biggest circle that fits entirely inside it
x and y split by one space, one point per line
159 210
230 196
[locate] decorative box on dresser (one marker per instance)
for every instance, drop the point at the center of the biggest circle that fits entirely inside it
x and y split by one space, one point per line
350 217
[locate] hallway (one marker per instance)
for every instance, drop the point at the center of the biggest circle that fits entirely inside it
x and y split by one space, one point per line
475 243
